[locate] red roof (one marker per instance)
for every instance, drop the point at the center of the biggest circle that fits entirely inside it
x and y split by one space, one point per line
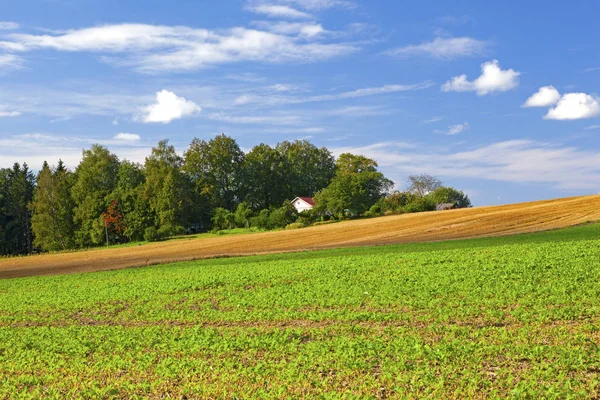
309 200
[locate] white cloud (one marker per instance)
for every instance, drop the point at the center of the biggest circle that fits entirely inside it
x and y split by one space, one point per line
591 127
445 48
364 92
243 99
492 79
545 97
515 161
431 120
291 28
253 119
283 87
4 113
575 106
35 148
280 11
274 99
127 137
6 25
454 129
569 106
10 61
168 107
357 111
155 48
85 99
317 5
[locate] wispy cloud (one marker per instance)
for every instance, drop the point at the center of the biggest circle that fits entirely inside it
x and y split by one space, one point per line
454 129
444 48
434 119
274 99
357 111
10 62
158 48
5 113
291 28
316 5
256 119
515 161
279 11
35 148
127 137
6 25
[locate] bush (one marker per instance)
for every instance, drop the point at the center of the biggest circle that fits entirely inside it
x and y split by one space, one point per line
151 234
281 217
304 220
165 231
262 220
375 209
325 217
370 214
413 207
294 225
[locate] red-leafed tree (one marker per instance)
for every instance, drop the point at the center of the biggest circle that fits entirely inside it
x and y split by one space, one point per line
114 221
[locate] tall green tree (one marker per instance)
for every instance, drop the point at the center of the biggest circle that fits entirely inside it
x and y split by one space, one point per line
264 177
167 189
357 185
95 180
215 167
131 200
308 168
17 185
52 209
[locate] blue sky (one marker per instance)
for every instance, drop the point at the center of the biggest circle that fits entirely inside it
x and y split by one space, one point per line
499 101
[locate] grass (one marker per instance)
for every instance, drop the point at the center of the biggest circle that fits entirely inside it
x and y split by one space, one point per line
513 317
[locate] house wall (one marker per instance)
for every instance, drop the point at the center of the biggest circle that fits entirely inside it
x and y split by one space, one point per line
302 206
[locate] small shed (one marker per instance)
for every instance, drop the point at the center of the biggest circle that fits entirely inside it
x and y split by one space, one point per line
445 206
303 203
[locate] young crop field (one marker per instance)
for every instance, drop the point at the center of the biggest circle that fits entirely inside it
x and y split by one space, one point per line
515 316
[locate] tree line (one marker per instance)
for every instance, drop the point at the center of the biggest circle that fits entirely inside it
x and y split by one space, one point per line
214 185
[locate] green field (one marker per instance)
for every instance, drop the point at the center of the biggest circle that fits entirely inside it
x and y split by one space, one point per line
502 317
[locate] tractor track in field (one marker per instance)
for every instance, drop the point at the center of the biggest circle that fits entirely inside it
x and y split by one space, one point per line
408 228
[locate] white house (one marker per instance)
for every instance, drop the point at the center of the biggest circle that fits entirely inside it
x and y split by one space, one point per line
303 203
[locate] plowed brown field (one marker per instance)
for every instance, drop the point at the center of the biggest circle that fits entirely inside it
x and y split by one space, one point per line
421 227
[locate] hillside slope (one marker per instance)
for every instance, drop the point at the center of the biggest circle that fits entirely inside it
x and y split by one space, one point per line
432 226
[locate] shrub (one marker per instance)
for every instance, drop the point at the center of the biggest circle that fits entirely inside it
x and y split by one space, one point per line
413 207
167 230
375 209
261 220
294 225
151 234
281 217
304 220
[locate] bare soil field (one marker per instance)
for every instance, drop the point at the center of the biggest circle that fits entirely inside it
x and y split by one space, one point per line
420 227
